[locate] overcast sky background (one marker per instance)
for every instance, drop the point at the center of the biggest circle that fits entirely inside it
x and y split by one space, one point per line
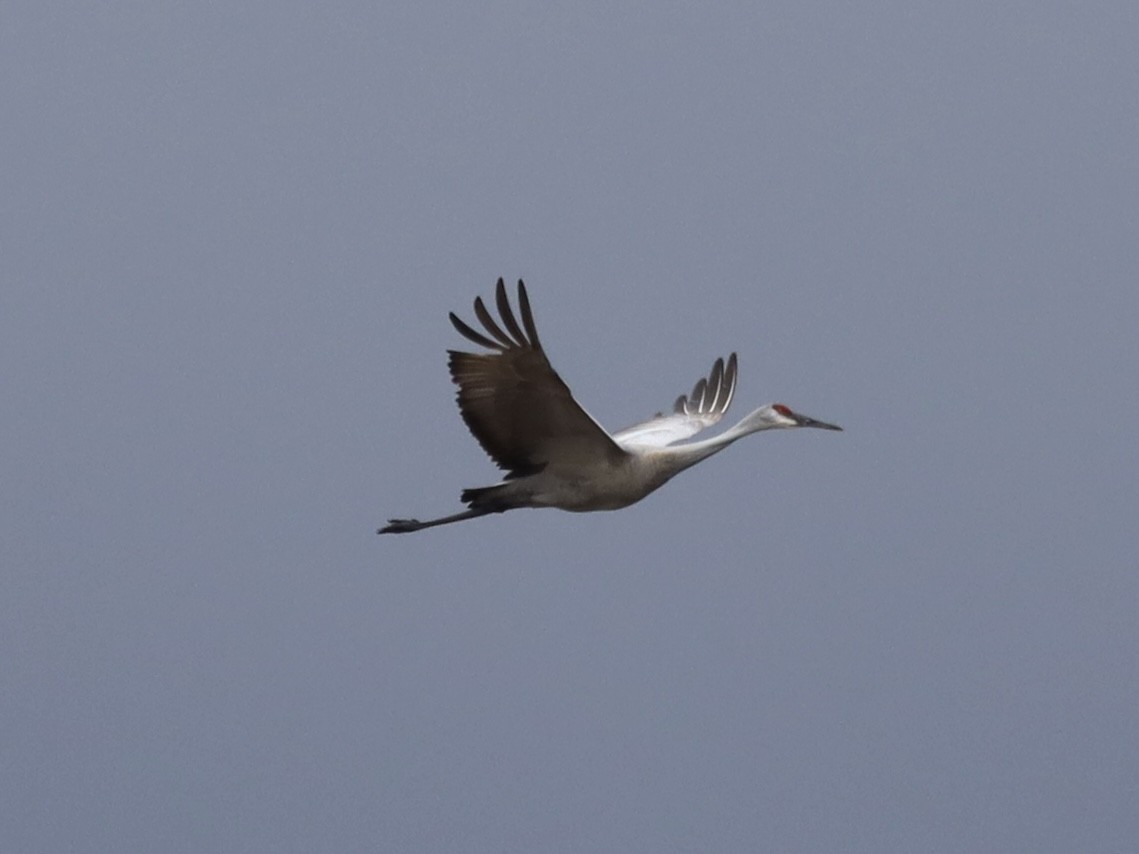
231 234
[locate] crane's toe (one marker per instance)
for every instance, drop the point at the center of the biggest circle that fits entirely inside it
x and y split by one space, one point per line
400 526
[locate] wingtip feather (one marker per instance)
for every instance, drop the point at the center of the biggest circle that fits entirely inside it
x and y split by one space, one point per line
470 334
507 314
528 316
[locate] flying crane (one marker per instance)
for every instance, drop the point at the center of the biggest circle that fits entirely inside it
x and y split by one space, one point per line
553 452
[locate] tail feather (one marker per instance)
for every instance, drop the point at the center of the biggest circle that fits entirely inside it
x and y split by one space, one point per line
485 497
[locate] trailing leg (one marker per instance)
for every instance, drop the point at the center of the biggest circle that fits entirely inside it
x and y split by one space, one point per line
406 526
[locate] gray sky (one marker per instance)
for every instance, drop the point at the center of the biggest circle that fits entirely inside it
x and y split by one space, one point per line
231 235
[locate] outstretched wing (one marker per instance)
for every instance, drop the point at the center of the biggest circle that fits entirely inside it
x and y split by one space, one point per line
690 414
515 404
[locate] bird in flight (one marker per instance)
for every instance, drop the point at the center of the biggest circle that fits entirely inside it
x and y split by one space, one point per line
554 454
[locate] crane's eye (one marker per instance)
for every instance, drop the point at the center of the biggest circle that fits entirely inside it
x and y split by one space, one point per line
783 410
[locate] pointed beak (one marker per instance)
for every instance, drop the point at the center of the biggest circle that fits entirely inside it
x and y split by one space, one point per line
804 421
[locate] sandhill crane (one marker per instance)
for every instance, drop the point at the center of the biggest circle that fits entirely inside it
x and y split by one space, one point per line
553 452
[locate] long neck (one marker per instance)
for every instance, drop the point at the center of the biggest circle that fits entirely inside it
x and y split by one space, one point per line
680 457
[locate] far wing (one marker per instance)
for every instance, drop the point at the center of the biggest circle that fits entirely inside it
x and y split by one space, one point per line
690 414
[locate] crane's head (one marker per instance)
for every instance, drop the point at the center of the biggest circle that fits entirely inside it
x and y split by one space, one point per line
778 415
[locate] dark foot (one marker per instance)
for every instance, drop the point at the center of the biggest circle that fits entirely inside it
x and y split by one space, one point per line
400 526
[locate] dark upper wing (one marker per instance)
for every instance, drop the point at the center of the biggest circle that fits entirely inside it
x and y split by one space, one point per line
514 403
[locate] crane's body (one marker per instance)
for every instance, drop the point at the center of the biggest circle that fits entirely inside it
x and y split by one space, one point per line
554 453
